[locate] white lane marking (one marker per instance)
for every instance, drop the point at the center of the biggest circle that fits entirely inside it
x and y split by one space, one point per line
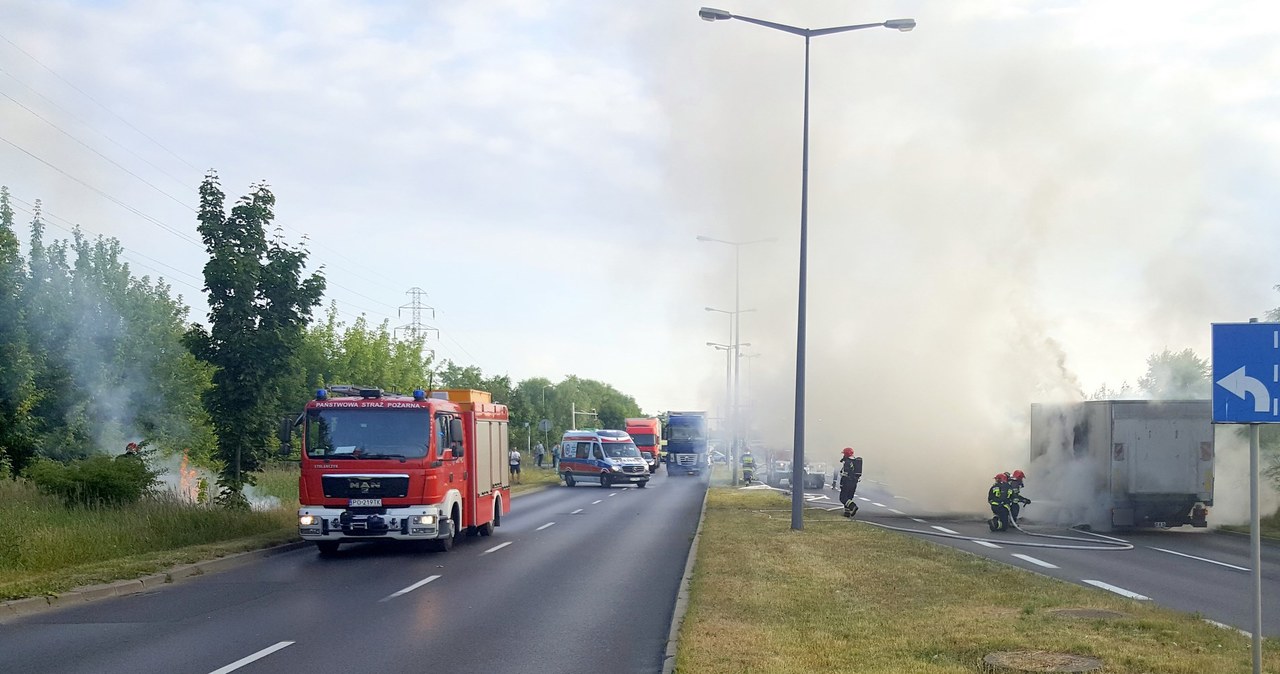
1118 590
409 589
614 494
879 504
1202 559
576 511
496 548
863 498
945 530
917 519
1033 560
986 544
250 658
1225 626
599 500
544 526
895 510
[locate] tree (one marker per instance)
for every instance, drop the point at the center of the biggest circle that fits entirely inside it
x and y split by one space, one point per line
1181 375
17 368
259 304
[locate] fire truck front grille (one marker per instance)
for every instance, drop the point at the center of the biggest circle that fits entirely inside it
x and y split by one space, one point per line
336 486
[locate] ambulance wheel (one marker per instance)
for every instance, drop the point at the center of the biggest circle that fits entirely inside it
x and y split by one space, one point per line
605 481
327 548
568 480
642 483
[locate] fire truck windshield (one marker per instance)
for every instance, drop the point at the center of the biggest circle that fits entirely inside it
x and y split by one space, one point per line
368 433
620 449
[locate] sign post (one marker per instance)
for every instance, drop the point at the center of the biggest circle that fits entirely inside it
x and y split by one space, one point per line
1246 390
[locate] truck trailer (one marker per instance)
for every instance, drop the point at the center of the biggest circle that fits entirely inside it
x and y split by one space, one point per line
1116 464
427 467
646 432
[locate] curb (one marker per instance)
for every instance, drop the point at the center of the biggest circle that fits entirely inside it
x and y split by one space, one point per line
19 608
682 599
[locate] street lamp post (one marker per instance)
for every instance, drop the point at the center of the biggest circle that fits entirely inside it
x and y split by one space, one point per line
731 384
904 25
546 439
736 334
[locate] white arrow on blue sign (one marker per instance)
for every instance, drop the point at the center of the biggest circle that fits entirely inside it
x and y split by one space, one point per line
1246 373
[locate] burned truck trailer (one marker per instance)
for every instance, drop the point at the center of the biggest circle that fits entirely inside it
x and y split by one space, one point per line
1124 463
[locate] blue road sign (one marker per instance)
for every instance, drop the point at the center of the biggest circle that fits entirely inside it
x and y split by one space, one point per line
1246 373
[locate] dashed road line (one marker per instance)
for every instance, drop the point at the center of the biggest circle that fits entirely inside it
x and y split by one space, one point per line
917 519
599 500
250 658
544 526
879 504
1118 590
576 511
409 589
896 511
496 548
1038 562
945 530
1202 559
863 498
614 494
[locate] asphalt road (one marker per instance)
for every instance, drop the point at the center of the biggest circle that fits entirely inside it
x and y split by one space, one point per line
575 580
1193 570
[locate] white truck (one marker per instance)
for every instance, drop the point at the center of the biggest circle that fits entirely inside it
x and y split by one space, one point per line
1122 463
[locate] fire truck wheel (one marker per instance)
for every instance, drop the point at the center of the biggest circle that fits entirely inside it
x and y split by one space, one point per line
485 529
442 544
327 547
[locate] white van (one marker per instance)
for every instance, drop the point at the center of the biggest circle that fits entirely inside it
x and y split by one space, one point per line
604 457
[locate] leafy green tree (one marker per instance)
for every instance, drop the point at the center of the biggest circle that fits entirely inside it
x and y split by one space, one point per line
17 367
1178 375
259 304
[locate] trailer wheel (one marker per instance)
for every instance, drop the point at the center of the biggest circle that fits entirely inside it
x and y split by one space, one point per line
327 548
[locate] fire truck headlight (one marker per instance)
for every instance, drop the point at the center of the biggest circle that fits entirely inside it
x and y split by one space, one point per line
424 519
308 521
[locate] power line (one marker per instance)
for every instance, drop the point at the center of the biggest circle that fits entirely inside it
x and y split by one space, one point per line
86 95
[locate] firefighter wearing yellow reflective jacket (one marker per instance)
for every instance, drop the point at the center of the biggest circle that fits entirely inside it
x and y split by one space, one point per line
998 496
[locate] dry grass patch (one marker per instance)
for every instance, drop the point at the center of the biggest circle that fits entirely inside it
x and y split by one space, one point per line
847 597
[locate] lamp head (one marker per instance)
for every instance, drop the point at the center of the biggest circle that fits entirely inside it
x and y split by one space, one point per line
711 14
903 25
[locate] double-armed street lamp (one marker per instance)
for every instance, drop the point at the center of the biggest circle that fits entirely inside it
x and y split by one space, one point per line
904 25
729 351
731 380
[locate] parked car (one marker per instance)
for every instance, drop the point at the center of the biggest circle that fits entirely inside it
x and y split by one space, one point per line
779 473
815 475
718 456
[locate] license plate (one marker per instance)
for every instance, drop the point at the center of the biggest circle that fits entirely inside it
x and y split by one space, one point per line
365 503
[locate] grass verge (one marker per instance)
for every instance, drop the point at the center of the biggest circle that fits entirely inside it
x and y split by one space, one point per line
1270 527
847 597
533 477
46 547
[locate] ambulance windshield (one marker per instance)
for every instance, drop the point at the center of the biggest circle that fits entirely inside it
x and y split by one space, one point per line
616 450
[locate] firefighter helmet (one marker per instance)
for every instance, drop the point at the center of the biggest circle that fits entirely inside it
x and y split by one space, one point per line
1018 475
847 452
1002 477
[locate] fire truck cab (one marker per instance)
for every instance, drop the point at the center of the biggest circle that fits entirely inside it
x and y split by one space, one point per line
424 467
605 458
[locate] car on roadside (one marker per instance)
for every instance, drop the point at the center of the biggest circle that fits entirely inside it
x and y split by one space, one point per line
779 473
815 475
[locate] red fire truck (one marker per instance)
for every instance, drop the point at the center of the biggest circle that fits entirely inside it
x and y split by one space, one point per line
376 466
647 434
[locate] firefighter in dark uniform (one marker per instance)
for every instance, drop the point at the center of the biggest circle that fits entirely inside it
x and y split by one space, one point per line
1016 499
998 497
850 473
748 467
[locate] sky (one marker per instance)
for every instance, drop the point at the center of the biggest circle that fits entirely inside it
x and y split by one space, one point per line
1018 201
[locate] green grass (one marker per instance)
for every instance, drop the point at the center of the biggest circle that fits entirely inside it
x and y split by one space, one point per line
47 547
281 481
1269 527
844 596
532 477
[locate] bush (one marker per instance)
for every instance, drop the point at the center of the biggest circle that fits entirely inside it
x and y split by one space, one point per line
96 480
